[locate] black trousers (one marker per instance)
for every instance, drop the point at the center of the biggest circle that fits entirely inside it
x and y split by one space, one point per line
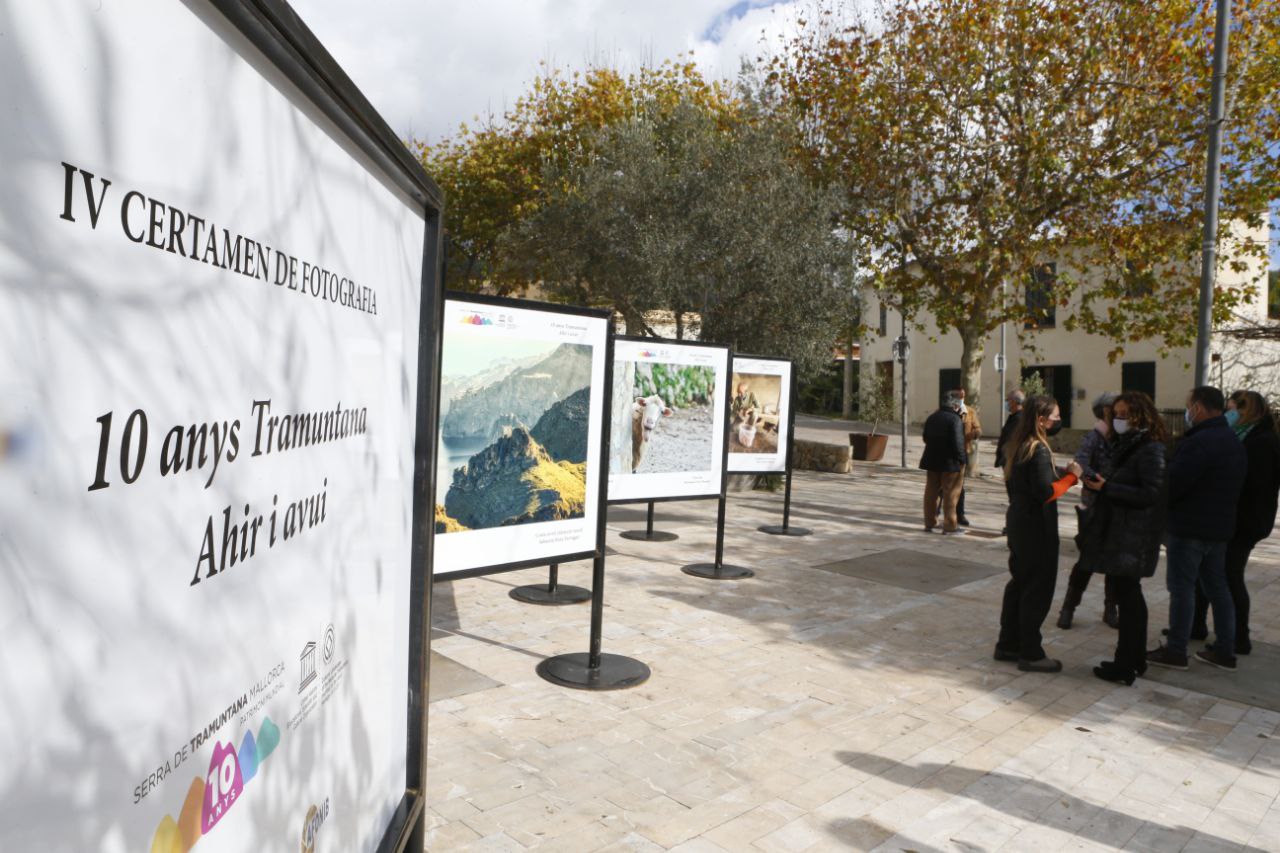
1078 582
1131 606
1033 574
1237 558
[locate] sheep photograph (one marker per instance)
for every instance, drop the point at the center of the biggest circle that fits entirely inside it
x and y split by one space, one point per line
667 424
755 409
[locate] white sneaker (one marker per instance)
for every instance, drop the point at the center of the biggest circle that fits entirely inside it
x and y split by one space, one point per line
959 531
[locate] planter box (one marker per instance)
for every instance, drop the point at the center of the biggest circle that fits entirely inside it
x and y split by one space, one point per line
867 447
817 456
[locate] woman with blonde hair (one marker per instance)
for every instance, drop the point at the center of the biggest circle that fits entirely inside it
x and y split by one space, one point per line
1255 426
1034 486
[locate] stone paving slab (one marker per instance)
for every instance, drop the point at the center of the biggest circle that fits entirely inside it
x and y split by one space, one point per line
914 570
450 679
801 710
1258 692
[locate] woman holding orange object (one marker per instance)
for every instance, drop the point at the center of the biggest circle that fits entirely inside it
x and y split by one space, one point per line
1034 486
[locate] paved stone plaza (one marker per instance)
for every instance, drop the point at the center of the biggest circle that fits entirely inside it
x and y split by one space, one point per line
837 703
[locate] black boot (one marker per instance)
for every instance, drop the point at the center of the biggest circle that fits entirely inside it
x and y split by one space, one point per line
1069 605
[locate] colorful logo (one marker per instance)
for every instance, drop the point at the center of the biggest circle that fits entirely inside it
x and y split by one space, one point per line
644 353
209 799
311 825
476 320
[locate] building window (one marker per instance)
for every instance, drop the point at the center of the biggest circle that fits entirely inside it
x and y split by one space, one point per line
1138 376
884 318
1042 307
1138 282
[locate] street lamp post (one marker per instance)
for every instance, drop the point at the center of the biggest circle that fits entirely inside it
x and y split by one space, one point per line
1212 182
901 352
1002 361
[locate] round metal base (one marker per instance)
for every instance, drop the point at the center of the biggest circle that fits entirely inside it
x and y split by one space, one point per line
779 530
541 594
616 672
724 573
646 536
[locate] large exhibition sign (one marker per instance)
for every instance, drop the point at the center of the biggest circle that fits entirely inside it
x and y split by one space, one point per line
521 424
667 429
759 415
209 390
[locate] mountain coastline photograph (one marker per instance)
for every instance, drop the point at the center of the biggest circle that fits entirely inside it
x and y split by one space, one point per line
513 443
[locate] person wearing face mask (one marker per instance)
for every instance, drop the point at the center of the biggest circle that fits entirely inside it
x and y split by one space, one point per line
1034 486
943 461
1120 534
1254 424
1092 457
1205 477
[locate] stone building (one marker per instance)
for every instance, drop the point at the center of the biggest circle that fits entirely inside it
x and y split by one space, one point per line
1075 365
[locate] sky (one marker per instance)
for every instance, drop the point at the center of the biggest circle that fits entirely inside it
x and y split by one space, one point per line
428 65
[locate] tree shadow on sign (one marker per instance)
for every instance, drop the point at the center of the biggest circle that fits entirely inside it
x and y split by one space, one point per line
1025 798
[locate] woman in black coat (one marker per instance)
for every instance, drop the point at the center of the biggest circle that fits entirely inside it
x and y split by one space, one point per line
1034 487
1251 418
1120 535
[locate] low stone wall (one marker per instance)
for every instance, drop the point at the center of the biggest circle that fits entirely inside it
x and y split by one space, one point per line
817 456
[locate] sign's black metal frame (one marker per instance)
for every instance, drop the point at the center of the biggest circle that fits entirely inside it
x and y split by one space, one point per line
550 308
791 412
725 444
276 31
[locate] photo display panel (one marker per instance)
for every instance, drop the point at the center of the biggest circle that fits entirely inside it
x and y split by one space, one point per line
522 405
667 425
759 415
208 403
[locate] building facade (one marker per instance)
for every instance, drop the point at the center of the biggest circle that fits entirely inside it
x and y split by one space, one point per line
1075 366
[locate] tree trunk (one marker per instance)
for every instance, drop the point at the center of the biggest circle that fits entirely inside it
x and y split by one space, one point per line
973 345
679 324
846 391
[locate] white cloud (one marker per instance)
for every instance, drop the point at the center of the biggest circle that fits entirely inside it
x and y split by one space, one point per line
428 65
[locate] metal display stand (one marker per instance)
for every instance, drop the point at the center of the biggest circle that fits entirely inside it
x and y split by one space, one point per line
785 529
595 670
718 570
649 534
552 593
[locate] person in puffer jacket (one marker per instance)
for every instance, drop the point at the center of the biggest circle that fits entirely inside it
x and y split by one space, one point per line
1121 531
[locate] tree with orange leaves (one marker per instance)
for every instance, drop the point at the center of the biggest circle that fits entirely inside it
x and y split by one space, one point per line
976 139
492 173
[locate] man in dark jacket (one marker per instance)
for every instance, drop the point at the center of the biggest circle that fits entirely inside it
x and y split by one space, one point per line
1015 400
1205 477
944 459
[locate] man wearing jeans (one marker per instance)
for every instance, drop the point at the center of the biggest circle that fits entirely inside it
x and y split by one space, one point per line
1205 477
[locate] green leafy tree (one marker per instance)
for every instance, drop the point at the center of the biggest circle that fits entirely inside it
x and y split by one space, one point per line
688 210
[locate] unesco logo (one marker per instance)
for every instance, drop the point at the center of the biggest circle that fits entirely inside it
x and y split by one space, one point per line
329 643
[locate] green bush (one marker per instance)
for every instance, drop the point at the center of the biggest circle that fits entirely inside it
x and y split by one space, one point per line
679 386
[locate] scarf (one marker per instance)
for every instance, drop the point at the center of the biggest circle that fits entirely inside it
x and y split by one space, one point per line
1241 430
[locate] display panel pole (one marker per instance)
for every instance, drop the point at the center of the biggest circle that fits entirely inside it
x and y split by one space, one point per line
596 670
553 593
649 534
785 529
718 570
